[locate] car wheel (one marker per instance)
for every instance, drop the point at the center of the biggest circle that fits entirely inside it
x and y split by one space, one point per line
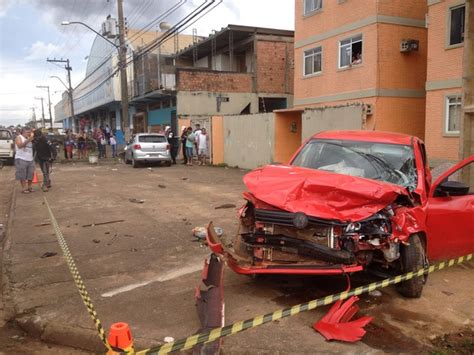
134 162
413 258
168 163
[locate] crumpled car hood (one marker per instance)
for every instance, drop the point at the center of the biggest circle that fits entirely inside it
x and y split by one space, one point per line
319 193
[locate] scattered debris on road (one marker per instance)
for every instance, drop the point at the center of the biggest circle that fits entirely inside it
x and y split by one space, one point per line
337 324
162 186
375 293
97 241
225 205
102 223
48 254
134 200
43 224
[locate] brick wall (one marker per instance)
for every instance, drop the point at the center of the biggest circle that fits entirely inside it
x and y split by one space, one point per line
206 80
275 71
439 145
443 64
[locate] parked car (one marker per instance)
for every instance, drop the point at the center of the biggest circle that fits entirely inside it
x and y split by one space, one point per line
349 201
148 147
7 145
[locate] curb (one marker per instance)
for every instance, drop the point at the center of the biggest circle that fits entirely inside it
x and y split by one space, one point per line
8 307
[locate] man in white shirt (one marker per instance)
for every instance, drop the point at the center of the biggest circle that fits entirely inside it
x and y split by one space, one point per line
24 163
203 146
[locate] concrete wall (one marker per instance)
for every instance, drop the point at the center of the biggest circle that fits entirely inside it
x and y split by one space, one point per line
249 140
198 103
329 118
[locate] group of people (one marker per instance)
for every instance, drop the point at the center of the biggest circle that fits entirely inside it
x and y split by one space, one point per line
84 142
31 146
195 141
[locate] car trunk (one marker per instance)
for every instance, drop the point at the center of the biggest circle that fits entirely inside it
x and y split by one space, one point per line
153 144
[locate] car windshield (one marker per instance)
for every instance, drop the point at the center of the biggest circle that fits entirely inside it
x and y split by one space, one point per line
5 135
152 139
392 163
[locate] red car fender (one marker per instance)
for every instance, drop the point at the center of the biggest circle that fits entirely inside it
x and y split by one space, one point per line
408 221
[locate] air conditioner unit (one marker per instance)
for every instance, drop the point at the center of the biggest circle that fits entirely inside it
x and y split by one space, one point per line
369 109
409 45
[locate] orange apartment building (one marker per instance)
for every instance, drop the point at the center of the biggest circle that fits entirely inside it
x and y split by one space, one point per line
446 22
364 51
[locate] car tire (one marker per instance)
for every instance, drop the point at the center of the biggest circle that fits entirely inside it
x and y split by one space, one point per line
412 258
168 163
134 162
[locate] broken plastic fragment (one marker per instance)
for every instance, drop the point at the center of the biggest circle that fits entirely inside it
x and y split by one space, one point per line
337 324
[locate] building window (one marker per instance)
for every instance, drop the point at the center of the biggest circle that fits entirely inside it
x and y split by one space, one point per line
350 51
312 61
312 5
453 114
456 31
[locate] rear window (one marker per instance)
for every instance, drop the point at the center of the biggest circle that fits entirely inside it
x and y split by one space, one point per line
152 139
5 135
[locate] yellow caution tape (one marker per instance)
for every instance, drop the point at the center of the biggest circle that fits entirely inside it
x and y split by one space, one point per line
77 277
217 333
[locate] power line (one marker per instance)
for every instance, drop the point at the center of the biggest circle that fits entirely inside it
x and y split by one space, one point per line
175 30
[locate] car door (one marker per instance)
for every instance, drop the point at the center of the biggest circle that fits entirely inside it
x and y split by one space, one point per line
450 217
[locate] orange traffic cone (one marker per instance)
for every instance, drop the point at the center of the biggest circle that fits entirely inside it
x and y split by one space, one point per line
120 338
35 178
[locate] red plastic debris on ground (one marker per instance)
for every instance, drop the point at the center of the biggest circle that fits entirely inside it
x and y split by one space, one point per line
337 324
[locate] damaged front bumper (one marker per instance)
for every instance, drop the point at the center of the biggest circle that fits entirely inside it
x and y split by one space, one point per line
343 261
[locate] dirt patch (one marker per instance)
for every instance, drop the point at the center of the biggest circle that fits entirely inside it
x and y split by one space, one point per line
461 342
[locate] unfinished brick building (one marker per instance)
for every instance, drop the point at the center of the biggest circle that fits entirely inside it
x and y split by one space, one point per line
237 70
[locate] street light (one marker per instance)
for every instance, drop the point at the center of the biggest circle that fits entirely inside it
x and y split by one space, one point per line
49 104
122 54
62 82
67 23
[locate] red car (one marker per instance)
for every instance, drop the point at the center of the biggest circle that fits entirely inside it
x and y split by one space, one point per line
351 200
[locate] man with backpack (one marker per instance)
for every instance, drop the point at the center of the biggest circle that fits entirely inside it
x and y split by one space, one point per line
45 154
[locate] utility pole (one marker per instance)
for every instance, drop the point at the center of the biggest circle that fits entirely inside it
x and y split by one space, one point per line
49 104
123 70
70 91
33 116
42 111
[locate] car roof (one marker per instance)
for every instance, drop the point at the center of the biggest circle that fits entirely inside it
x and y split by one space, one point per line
367 136
150 134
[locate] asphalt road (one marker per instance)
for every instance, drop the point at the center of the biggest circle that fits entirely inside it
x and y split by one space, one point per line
144 270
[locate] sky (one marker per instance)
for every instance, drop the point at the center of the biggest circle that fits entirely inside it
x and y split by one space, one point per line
31 32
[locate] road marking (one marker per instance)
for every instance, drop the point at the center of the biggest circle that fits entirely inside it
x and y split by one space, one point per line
167 276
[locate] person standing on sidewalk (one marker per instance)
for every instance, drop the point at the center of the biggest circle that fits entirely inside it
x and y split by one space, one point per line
190 143
184 135
45 154
203 146
24 163
113 145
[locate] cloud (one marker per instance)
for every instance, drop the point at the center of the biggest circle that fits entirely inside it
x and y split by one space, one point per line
40 50
5 5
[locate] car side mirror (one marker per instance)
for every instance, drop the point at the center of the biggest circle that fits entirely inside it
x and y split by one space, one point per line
452 188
